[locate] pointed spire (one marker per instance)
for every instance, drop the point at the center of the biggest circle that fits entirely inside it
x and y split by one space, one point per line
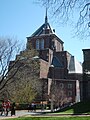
46 19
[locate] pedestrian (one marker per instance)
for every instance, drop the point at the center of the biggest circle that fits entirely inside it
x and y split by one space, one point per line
3 109
29 107
8 105
13 109
34 107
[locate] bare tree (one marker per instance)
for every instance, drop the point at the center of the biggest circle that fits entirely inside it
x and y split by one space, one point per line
58 96
8 49
77 11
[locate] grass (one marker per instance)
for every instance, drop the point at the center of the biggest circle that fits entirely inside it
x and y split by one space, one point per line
69 111
79 108
51 118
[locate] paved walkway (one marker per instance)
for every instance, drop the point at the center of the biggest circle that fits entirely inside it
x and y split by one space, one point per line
20 113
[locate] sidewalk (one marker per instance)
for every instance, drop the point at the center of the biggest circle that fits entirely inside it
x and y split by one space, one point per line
20 113
39 113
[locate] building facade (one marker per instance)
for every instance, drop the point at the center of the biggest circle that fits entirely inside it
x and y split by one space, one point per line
59 70
56 64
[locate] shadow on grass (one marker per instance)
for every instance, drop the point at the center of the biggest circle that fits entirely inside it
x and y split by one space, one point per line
82 107
78 108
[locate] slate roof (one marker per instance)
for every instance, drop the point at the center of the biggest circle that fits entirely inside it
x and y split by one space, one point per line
74 66
41 30
56 62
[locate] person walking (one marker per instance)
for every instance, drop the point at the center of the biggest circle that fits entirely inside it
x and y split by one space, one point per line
29 107
8 105
3 109
13 109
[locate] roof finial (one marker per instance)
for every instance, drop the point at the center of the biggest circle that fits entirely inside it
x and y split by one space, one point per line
46 19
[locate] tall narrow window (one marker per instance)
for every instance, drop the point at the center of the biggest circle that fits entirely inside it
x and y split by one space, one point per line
37 44
42 44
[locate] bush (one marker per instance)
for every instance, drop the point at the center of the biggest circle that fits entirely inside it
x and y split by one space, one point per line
23 106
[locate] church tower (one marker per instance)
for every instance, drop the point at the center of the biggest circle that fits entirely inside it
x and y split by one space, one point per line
45 41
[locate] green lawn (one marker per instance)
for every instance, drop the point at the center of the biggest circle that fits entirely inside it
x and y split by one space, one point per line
51 118
79 108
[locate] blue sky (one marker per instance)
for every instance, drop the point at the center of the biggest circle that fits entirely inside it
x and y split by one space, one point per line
20 18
